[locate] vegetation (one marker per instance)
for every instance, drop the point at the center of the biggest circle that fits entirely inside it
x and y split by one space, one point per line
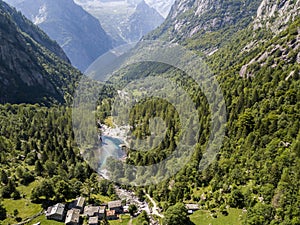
235 216
257 168
40 162
176 215
256 174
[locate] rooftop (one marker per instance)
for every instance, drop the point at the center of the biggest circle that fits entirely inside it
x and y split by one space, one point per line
93 220
102 209
114 204
80 202
192 206
56 209
73 216
91 210
110 212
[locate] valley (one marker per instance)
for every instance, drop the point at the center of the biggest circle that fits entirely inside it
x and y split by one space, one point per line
147 157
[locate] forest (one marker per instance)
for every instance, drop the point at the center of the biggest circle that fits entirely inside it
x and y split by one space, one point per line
256 170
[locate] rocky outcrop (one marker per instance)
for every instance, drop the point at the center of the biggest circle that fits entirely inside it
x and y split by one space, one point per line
37 34
127 21
275 15
189 18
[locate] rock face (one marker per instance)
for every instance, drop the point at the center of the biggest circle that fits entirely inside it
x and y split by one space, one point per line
188 17
276 14
77 32
33 68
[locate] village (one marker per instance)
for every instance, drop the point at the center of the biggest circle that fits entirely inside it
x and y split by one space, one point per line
77 212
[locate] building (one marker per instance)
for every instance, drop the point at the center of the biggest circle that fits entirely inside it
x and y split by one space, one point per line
93 220
91 211
116 206
126 209
79 203
102 212
73 217
56 212
111 215
192 208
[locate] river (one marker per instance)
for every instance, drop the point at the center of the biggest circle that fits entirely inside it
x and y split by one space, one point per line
110 147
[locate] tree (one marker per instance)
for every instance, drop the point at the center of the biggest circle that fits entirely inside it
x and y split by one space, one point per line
51 167
260 214
2 212
176 215
16 195
132 209
143 218
8 189
111 190
44 189
62 190
38 168
236 199
4 177
27 178
16 212
141 195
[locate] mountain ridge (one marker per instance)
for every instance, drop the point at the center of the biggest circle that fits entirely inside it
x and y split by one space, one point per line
67 23
125 21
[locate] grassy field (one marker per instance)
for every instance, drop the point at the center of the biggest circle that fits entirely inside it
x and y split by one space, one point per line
27 209
124 220
101 198
44 221
204 218
24 206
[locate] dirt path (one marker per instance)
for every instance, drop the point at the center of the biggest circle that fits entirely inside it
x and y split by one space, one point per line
27 220
130 221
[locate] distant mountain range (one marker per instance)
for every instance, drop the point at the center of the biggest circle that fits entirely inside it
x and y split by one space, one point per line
33 68
127 20
77 32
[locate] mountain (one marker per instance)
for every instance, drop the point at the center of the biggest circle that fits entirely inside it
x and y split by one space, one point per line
125 21
276 15
161 6
37 34
78 33
143 20
252 48
34 69
211 23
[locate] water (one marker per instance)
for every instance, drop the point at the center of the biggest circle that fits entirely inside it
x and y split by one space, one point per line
110 147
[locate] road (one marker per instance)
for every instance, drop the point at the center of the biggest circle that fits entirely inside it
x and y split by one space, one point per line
142 206
154 208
